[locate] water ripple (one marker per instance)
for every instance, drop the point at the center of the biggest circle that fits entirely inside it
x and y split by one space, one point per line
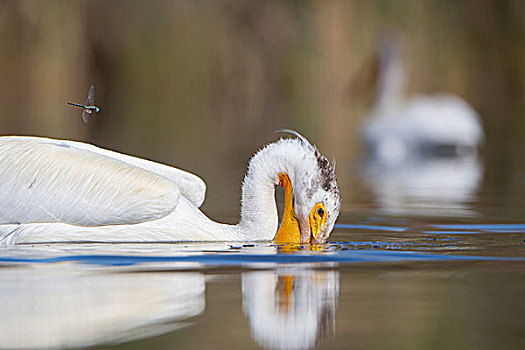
349 256
491 228
372 227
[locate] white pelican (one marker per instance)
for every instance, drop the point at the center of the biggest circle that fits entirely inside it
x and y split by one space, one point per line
399 128
66 191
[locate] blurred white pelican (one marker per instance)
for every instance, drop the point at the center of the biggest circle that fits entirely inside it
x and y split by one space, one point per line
399 128
63 191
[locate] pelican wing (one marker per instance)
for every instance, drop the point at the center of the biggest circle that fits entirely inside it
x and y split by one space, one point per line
45 180
191 186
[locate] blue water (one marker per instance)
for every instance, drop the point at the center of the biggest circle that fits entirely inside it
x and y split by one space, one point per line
452 232
371 227
485 227
340 257
445 244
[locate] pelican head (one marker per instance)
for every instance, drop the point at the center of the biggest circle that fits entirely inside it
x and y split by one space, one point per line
311 195
318 201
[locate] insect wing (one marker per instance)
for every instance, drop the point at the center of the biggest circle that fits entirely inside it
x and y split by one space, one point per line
85 115
90 101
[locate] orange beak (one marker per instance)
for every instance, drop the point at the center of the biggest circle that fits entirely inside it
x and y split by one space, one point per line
289 231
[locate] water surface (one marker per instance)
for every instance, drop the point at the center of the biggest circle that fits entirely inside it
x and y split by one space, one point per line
380 282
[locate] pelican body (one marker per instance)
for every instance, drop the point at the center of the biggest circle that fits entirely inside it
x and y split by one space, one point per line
66 191
401 128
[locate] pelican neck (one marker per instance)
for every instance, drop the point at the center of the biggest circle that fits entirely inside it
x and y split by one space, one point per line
259 218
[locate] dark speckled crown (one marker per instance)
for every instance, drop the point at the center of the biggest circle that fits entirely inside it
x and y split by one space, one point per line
327 174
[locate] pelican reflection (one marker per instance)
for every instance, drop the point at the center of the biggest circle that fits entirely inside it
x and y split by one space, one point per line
429 185
72 305
61 306
290 308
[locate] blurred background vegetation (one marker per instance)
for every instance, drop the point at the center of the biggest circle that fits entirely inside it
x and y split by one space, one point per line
204 84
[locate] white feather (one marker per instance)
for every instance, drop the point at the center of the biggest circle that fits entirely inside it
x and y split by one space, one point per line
45 181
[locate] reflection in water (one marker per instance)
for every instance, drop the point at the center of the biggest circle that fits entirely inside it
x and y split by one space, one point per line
72 305
423 150
64 306
430 186
289 308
